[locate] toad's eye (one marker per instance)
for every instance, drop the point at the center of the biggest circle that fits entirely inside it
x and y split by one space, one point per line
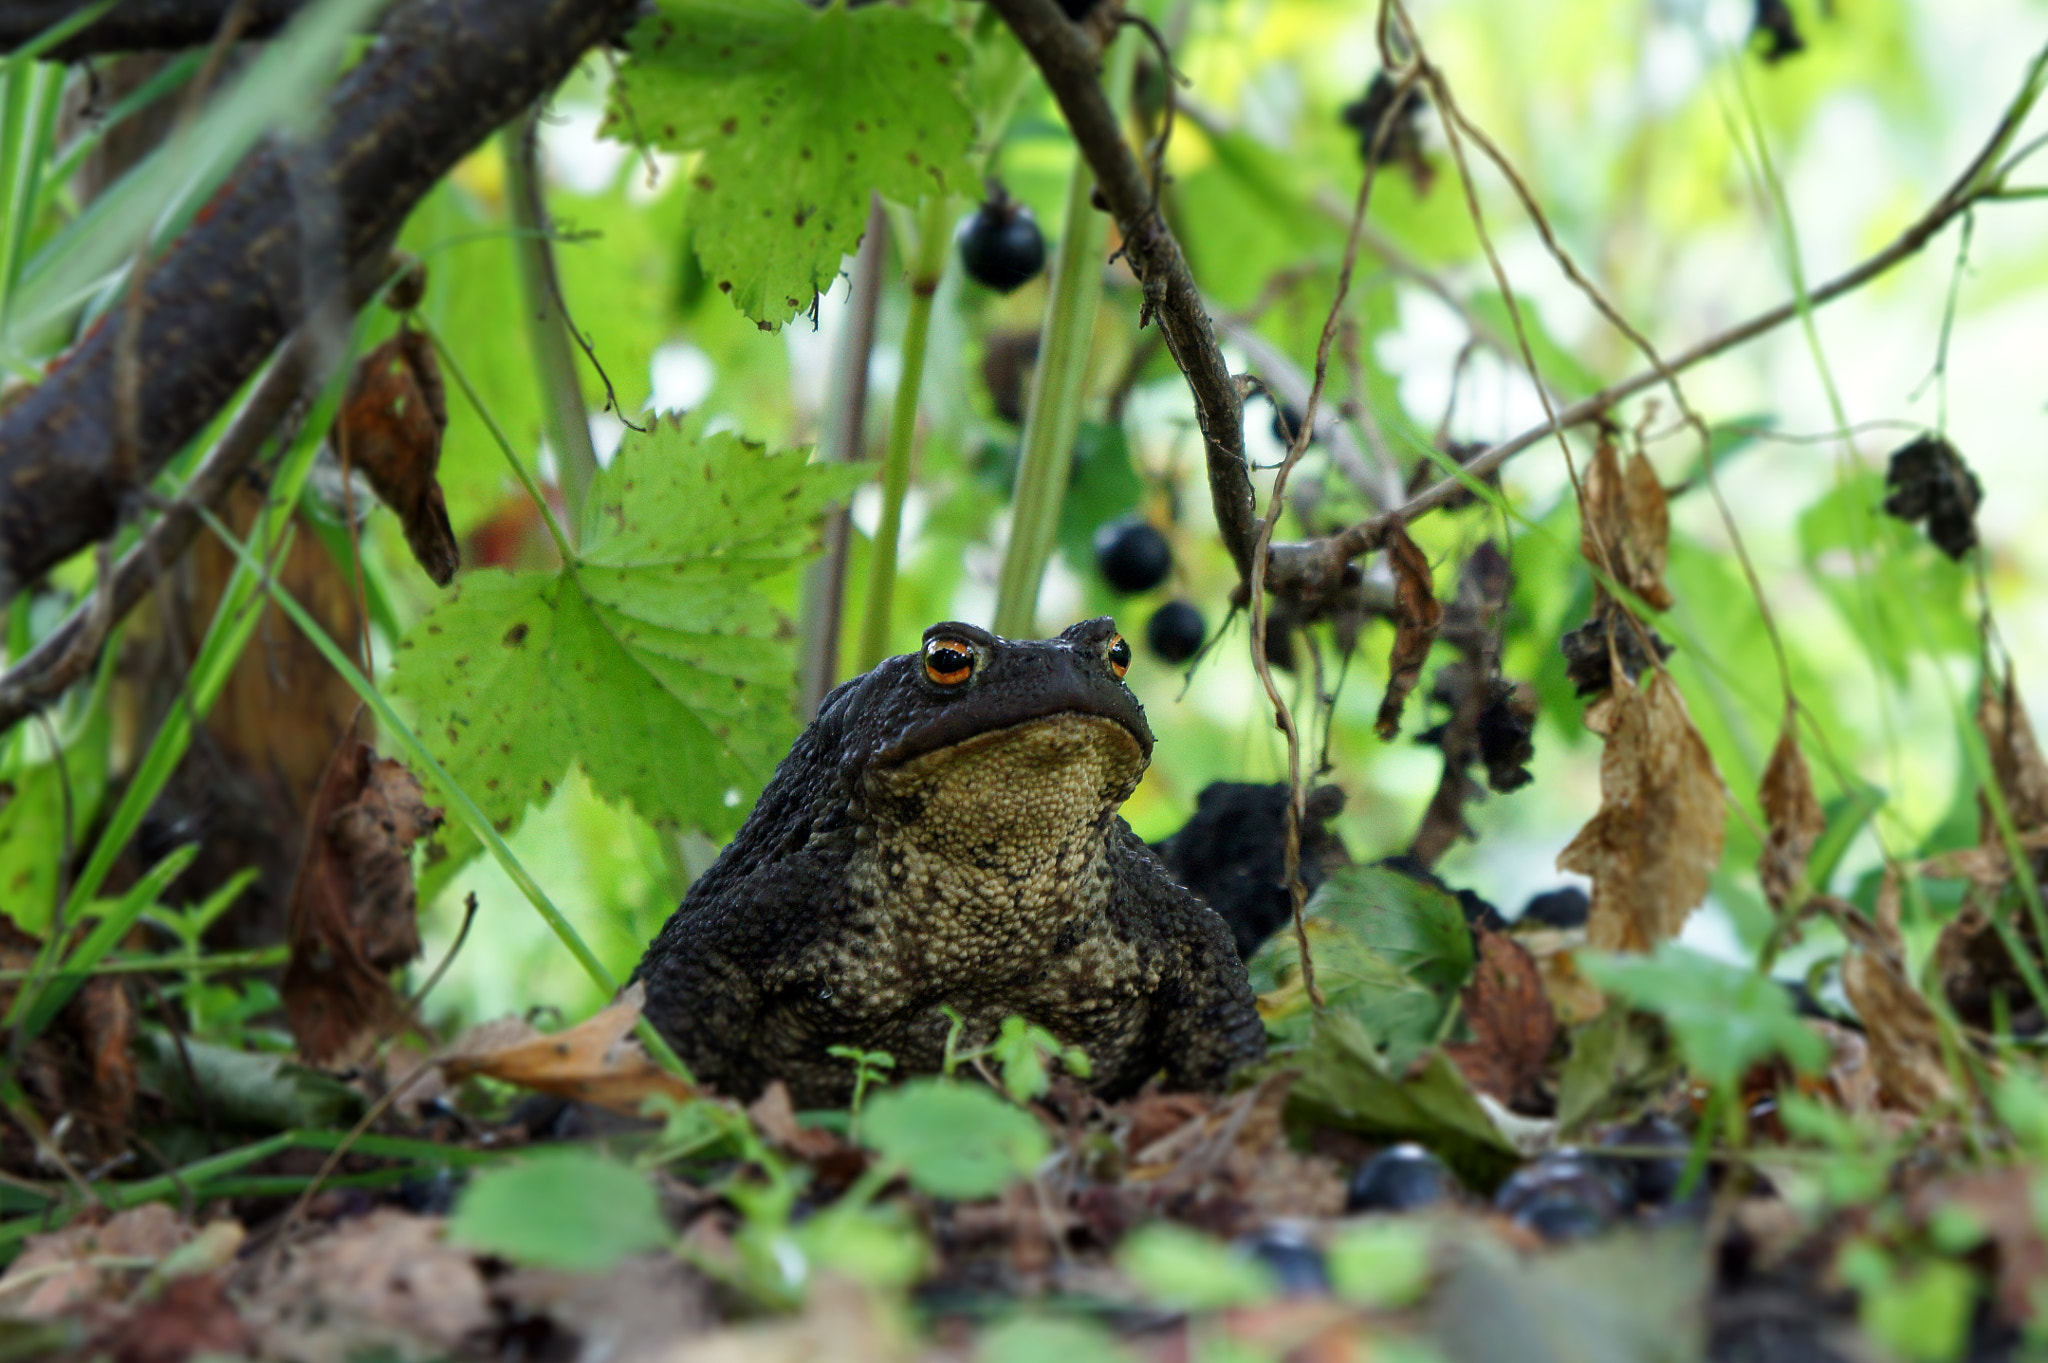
1119 656
948 661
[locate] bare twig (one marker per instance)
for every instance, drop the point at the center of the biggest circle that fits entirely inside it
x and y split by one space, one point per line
1069 63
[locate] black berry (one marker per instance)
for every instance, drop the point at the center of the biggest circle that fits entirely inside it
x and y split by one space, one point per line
1653 1179
1175 631
1565 908
1077 10
1296 1264
1400 1178
1929 481
1286 420
1132 555
1001 246
1566 1195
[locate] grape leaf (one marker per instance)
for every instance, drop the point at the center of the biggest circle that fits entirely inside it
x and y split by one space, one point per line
654 660
799 114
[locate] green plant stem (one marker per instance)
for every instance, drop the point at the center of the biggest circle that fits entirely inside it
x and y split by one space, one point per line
925 272
1057 389
519 470
263 958
547 326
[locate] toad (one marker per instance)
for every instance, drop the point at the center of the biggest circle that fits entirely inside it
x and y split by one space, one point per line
945 836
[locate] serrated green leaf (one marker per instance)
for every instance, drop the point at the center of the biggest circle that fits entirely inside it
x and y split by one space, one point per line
1414 924
655 661
570 1209
954 1140
1179 1267
800 114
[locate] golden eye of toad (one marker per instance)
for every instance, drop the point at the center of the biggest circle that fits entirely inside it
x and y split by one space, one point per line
1119 656
948 661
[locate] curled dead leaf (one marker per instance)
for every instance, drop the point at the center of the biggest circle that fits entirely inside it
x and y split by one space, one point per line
390 427
1418 614
1905 1033
2015 759
354 910
596 1062
1513 1025
1794 816
1623 511
1657 838
79 1076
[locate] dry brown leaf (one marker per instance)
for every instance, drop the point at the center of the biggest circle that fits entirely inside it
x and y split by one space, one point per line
191 1318
385 1284
1417 615
1512 1023
62 1271
2015 759
390 427
354 912
1794 816
1655 842
774 1114
596 1062
1903 1029
1574 999
1624 511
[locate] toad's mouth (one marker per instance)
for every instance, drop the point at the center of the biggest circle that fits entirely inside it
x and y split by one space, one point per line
1067 765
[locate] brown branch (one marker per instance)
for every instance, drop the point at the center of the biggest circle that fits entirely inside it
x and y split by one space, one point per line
138 25
69 651
1070 63
443 75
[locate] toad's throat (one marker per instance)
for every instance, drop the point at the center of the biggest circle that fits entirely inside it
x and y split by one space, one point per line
1014 820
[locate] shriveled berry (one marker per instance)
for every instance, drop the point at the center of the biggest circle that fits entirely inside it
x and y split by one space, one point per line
1001 246
1132 555
1175 631
1296 1264
1400 1178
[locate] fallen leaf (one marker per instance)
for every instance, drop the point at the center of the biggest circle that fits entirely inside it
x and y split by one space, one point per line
1793 813
1657 838
386 1284
1623 513
775 1116
1417 614
58 1273
1978 974
191 1318
354 911
1512 1023
597 1061
390 427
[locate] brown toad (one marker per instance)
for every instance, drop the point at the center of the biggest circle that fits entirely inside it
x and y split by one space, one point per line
945 834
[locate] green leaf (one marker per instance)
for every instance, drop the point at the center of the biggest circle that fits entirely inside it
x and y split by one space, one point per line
655 662
800 114
1177 1267
1346 1083
1724 1017
1049 1339
1383 1263
1415 925
953 1140
1390 951
571 1209
33 785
